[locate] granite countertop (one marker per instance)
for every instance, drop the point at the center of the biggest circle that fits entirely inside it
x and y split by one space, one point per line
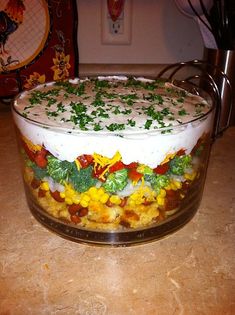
191 272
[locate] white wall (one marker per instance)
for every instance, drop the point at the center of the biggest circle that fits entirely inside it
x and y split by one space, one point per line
160 34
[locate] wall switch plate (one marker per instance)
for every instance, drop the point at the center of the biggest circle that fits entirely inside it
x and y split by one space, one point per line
116 32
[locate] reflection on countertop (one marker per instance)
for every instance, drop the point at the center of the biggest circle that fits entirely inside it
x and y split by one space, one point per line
190 272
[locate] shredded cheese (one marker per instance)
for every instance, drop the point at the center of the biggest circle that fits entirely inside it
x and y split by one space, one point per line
31 146
168 157
101 161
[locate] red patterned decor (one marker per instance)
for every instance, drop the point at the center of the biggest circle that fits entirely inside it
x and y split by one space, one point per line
38 43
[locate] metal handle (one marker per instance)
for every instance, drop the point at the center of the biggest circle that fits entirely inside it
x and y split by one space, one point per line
206 74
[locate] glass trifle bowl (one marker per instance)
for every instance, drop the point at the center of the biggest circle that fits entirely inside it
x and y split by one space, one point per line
113 160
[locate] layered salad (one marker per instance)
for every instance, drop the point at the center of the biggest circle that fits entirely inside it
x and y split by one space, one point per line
112 153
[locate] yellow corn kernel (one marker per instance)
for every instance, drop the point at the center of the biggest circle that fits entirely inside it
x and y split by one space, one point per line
177 184
101 191
76 199
190 176
62 194
162 193
69 201
168 187
45 186
84 203
160 201
132 203
134 196
173 187
138 201
63 213
69 191
86 197
92 191
104 198
115 200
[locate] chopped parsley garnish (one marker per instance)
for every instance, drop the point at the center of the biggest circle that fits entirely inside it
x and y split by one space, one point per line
152 97
97 127
98 100
148 124
78 108
60 107
131 122
102 84
115 126
76 89
182 112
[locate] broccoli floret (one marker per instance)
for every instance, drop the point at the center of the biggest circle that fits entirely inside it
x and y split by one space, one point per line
39 172
58 170
82 180
157 181
144 169
116 181
179 164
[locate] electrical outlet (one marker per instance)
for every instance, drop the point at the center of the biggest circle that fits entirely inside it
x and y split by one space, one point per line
116 32
116 27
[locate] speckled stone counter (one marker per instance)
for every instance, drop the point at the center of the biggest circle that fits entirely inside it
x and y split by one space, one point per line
191 272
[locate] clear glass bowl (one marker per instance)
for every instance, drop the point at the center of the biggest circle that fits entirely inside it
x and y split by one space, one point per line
153 204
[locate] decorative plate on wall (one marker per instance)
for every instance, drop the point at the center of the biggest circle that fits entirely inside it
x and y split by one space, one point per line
38 43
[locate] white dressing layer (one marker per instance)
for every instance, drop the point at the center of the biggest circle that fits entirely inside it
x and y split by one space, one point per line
135 143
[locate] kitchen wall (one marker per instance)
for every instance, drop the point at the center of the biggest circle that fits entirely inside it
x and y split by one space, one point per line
161 34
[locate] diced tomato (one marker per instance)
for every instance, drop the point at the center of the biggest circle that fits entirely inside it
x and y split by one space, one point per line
56 196
85 160
132 165
30 153
161 169
116 167
134 175
97 173
40 158
180 152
